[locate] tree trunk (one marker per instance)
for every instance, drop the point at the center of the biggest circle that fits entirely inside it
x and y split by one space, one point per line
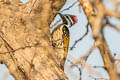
24 39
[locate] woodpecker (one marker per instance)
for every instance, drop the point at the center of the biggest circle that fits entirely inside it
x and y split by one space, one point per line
61 35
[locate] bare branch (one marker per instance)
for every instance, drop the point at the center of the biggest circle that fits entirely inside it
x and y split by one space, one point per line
111 25
97 78
85 57
111 13
98 67
20 48
118 59
89 52
88 67
96 23
80 71
73 46
70 6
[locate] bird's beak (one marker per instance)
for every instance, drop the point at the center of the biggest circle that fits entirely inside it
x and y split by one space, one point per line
62 17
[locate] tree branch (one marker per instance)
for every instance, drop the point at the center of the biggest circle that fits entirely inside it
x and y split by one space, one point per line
73 46
97 28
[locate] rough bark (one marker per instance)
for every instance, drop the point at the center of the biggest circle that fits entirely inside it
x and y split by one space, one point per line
24 39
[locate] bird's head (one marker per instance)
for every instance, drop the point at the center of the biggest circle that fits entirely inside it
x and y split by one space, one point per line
68 20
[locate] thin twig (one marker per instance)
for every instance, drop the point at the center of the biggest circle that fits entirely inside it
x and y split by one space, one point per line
90 51
111 25
79 6
19 49
85 57
70 6
76 67
98 67
97 78
73 46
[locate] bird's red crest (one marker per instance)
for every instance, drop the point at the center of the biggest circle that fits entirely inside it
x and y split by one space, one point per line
74 19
